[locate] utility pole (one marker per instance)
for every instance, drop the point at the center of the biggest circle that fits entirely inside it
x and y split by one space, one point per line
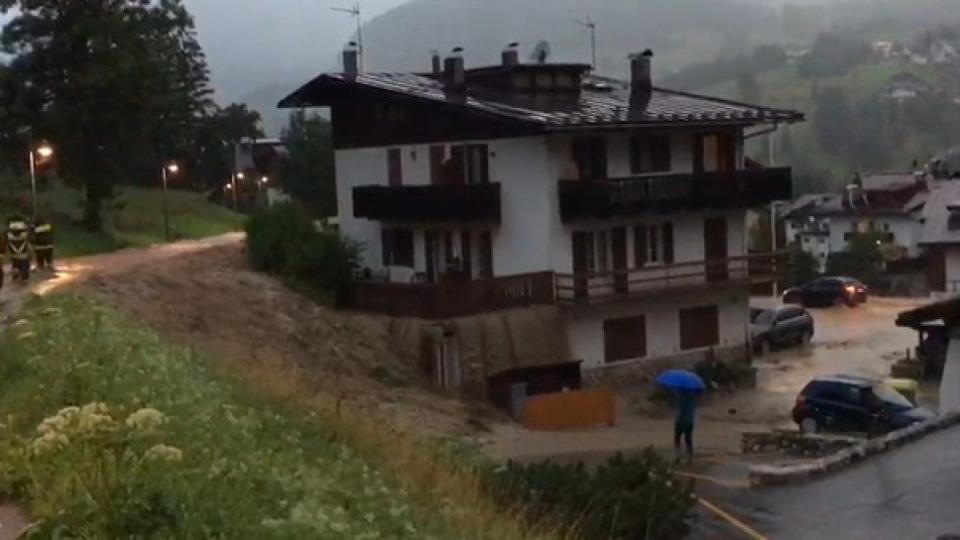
591 27
354 11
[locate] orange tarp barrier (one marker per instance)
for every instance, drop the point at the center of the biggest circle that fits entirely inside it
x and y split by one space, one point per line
570 410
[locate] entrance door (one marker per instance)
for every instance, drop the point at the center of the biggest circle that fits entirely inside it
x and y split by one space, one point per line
582 257
621 278
715 248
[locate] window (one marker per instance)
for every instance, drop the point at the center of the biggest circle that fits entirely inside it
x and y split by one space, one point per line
640 254
624 339
603 263
394 167
715 153
485 255
590 157
653 244
397 245
468 164
699 327
649 153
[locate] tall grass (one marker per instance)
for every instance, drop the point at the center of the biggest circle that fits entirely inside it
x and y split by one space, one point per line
160 447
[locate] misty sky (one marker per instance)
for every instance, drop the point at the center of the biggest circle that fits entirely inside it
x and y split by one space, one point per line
256 43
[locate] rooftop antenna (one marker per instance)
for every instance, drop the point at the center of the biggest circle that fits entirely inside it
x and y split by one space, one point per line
354 11
541 52
591 27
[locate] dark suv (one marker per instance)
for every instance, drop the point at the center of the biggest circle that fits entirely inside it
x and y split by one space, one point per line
780 327
828 291
849 403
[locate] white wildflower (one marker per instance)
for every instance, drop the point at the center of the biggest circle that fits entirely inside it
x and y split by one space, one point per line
146 420
162 452
49 442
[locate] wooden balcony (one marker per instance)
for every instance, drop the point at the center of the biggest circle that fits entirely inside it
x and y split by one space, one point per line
430 203
628 197
596 288
454 297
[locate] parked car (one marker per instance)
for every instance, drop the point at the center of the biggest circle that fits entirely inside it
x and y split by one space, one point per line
779 327
850 403
828 291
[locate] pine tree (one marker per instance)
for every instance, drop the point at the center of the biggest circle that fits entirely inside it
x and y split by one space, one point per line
119 86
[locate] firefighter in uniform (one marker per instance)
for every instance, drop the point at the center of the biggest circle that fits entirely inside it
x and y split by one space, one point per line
43 243
18 246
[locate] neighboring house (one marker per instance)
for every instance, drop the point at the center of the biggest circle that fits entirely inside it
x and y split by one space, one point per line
904 87
619 205
941 238
889 204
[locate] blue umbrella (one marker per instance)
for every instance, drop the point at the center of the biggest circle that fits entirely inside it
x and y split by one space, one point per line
681 379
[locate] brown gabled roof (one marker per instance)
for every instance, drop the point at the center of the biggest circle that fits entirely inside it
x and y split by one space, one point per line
601 102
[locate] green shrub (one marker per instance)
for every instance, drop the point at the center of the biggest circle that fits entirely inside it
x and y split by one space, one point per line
284 240
624 499
108 432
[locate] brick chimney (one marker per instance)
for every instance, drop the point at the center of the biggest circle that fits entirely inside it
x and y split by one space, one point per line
350 60
453 71
510 56
641 80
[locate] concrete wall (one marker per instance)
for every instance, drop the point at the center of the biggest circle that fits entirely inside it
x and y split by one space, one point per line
585 325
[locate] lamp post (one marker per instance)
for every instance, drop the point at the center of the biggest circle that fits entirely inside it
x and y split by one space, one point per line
773 240
234 188
171 168
44 152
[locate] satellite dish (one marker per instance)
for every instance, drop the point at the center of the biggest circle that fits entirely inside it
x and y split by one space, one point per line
541 52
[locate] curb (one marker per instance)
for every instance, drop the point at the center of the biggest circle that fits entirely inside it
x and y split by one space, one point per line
776 475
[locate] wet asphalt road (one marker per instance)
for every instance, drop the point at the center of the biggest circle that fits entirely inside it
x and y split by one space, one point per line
910 493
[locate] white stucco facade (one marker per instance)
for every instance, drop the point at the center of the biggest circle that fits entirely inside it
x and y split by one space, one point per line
531 237
827 235
662 317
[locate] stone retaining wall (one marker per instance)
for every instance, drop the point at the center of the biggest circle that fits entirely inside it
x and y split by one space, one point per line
772 475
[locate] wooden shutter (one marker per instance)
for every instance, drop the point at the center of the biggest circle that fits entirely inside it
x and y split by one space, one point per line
668 243
394 167
437 153
699 327
625 339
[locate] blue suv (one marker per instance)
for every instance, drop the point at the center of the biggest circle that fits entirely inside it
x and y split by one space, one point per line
849 403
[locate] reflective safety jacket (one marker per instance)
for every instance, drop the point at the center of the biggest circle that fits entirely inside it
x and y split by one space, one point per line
42 236
18 240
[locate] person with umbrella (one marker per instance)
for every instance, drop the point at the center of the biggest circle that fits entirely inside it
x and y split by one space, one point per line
686 387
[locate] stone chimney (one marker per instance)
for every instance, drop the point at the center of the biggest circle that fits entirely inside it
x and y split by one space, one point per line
350 60
436 67
641 80
510 56
453 71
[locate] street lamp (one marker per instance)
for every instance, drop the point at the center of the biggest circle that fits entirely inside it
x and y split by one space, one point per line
170 168
43 152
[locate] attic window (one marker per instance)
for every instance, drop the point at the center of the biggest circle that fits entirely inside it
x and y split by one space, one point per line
954 223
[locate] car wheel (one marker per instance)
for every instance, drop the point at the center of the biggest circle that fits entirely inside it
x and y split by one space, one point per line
805 338
809 425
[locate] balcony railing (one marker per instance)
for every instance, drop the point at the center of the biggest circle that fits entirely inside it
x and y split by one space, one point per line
431 203
657 280
454 297
626 197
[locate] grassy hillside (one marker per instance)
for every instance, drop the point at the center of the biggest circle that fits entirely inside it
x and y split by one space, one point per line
134 218
110 432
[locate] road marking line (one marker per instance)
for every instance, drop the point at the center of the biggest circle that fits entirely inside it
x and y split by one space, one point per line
741 526
713 479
